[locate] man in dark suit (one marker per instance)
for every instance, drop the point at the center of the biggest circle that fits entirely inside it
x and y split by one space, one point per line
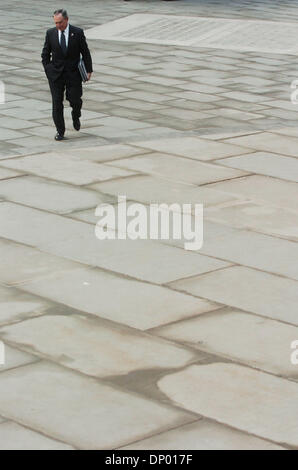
60 57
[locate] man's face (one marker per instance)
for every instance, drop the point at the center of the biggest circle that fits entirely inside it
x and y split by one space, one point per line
60 22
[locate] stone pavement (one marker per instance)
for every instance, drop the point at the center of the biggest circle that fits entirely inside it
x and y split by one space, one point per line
140 344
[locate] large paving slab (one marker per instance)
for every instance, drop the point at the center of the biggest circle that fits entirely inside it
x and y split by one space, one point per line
203 435
147 260
246 247
262 218
15 358
259 188
77 241
214 232
106 153
147 189
244 96
195 148
270 164
66 404
239 336
176 168
245 399
8 174
137 304
268 142
16 305
95 348
13 123
241 35
248 289
16 437
255 250
63 168
8 134
20 263
290 131
49 195
44 227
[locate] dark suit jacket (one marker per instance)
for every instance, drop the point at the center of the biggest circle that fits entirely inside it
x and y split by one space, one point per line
55 62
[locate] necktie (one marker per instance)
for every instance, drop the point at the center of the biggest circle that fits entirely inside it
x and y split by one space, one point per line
63 43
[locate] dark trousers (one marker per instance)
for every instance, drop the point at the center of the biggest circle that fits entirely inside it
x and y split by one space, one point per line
74 91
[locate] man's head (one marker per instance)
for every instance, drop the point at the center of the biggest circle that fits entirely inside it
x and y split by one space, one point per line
61 19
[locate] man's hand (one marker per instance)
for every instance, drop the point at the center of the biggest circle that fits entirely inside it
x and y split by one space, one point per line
89 76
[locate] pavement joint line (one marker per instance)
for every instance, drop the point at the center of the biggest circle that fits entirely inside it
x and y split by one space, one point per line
25 425
221 309
167 402
99 320
179 426
101 268
229 179
228 426
110 383
237 308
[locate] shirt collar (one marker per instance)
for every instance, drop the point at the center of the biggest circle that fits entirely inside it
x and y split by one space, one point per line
66 31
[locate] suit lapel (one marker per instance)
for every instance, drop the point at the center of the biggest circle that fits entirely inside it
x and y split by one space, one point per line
56 37
70 38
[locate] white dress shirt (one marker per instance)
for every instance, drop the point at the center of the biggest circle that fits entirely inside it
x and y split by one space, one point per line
66 34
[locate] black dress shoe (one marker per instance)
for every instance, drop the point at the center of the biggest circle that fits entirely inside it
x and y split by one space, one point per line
59 136
76 124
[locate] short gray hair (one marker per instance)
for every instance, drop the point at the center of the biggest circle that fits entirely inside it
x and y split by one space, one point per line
62 12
